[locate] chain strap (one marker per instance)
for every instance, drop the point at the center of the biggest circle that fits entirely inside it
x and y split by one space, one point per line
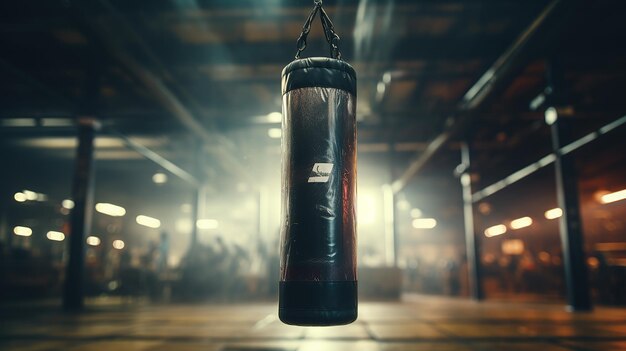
329 32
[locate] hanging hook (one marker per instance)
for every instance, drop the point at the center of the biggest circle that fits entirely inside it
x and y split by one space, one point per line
317 2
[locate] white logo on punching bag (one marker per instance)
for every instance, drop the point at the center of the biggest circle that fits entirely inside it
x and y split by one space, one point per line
320 172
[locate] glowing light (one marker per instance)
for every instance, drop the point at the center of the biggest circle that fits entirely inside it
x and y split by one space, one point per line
551 116
148 221
93 240
110 209
513 247
424 223
55 236
380 88
387 77
159 178
274 117
366 209
22 231
42 197
416 213
521 223
612 197
274 133
30 195
118 244
184 226
19 122
67 204
20 197
553 213
495 230
403 204
207 224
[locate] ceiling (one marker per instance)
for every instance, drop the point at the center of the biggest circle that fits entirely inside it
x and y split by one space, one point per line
173 74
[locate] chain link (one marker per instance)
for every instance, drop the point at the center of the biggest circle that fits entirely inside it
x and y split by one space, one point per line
329 32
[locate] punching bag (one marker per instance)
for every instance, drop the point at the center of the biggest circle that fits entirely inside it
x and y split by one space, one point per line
318 284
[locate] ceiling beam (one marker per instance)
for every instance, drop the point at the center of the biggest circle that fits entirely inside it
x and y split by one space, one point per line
154 83
552 18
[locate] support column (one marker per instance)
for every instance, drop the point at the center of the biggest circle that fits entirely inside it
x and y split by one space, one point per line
199 195
471 244
5 234
80 219
195 213
570 223
391 245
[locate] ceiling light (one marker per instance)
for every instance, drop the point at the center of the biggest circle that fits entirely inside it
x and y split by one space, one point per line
612 197
159 178
274 117
22 231
553 213
424 223
93 240
30 195
118 244
521 223
67 204
551 115
495 230
110 209
274 133
55 236
148 221
20 197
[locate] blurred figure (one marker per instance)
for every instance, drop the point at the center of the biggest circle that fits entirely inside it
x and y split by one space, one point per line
451 277
273 269
148 270
164 248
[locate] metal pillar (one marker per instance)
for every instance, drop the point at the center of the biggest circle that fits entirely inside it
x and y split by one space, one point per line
199 193
555 16
195 214
4 228
570 224
471 244
80 221
391 243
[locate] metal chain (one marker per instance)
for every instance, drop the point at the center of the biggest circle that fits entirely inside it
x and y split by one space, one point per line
331 36
329 32
301 43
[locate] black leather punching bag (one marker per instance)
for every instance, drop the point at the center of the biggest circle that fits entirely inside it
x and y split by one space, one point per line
318 283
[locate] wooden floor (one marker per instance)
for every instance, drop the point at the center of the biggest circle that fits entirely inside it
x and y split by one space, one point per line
423 323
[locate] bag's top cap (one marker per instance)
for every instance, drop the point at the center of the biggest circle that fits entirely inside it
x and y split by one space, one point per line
319 72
